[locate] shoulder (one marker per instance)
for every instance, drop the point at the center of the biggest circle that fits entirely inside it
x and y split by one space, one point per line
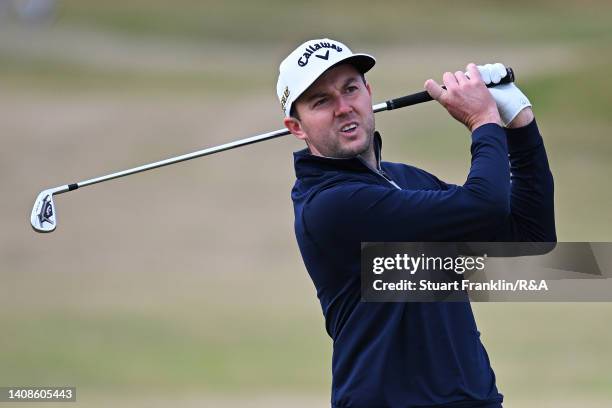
337 203
335 195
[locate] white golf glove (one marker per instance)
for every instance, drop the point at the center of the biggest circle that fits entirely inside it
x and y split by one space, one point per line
509 99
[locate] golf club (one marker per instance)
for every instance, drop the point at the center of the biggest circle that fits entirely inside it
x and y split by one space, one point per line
43 217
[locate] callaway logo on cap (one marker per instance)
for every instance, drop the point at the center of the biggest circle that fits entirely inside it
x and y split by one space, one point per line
308 62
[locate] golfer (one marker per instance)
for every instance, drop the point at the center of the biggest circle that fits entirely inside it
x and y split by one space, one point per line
405 354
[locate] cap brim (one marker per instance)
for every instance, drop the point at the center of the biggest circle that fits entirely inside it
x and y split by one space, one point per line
363 62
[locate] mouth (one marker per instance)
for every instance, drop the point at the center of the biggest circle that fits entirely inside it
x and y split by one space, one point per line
349 129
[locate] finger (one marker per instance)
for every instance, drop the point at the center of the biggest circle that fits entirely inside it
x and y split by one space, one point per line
473 72
485 73
498 72
434 89
461 78
449 81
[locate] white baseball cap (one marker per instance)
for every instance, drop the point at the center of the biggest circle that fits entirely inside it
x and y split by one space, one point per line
308 62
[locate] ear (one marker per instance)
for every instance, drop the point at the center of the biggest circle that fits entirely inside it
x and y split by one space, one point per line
367 85
295 127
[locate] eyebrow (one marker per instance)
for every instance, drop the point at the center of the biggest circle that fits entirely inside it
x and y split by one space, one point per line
310 98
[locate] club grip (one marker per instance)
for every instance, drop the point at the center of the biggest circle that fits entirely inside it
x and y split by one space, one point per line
423 96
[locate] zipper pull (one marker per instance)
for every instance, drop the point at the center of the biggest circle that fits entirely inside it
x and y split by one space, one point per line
382 173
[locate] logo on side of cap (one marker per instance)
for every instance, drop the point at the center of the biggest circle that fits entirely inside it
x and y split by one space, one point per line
284 98
311 49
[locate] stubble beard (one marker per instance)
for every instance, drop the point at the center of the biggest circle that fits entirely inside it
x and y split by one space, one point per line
338 151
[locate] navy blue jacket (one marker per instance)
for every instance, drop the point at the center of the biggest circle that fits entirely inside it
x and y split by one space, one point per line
414 354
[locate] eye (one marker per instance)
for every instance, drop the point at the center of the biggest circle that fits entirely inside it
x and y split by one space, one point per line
319 102
351 88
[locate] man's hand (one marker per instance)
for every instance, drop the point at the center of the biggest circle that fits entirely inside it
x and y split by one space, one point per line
512 104
466 98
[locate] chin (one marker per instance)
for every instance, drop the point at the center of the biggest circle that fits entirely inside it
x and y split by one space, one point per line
361 145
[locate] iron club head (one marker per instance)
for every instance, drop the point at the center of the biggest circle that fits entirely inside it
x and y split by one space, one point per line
43 212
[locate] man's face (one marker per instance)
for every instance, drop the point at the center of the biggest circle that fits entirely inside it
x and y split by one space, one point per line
335 115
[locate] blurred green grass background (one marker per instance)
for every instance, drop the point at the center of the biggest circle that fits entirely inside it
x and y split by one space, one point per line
187 281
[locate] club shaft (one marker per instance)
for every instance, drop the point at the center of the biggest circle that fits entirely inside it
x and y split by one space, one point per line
391 104
185 157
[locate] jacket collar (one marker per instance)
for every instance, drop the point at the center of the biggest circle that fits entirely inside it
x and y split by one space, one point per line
307 164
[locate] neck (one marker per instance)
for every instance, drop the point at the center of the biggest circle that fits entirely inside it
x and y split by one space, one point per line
370 158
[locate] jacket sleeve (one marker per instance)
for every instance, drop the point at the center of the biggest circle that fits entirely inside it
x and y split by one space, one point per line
532 215
377 213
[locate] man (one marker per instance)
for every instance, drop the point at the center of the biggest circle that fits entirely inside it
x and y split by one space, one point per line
405 354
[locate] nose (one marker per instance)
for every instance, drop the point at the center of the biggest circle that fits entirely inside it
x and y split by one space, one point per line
343 106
